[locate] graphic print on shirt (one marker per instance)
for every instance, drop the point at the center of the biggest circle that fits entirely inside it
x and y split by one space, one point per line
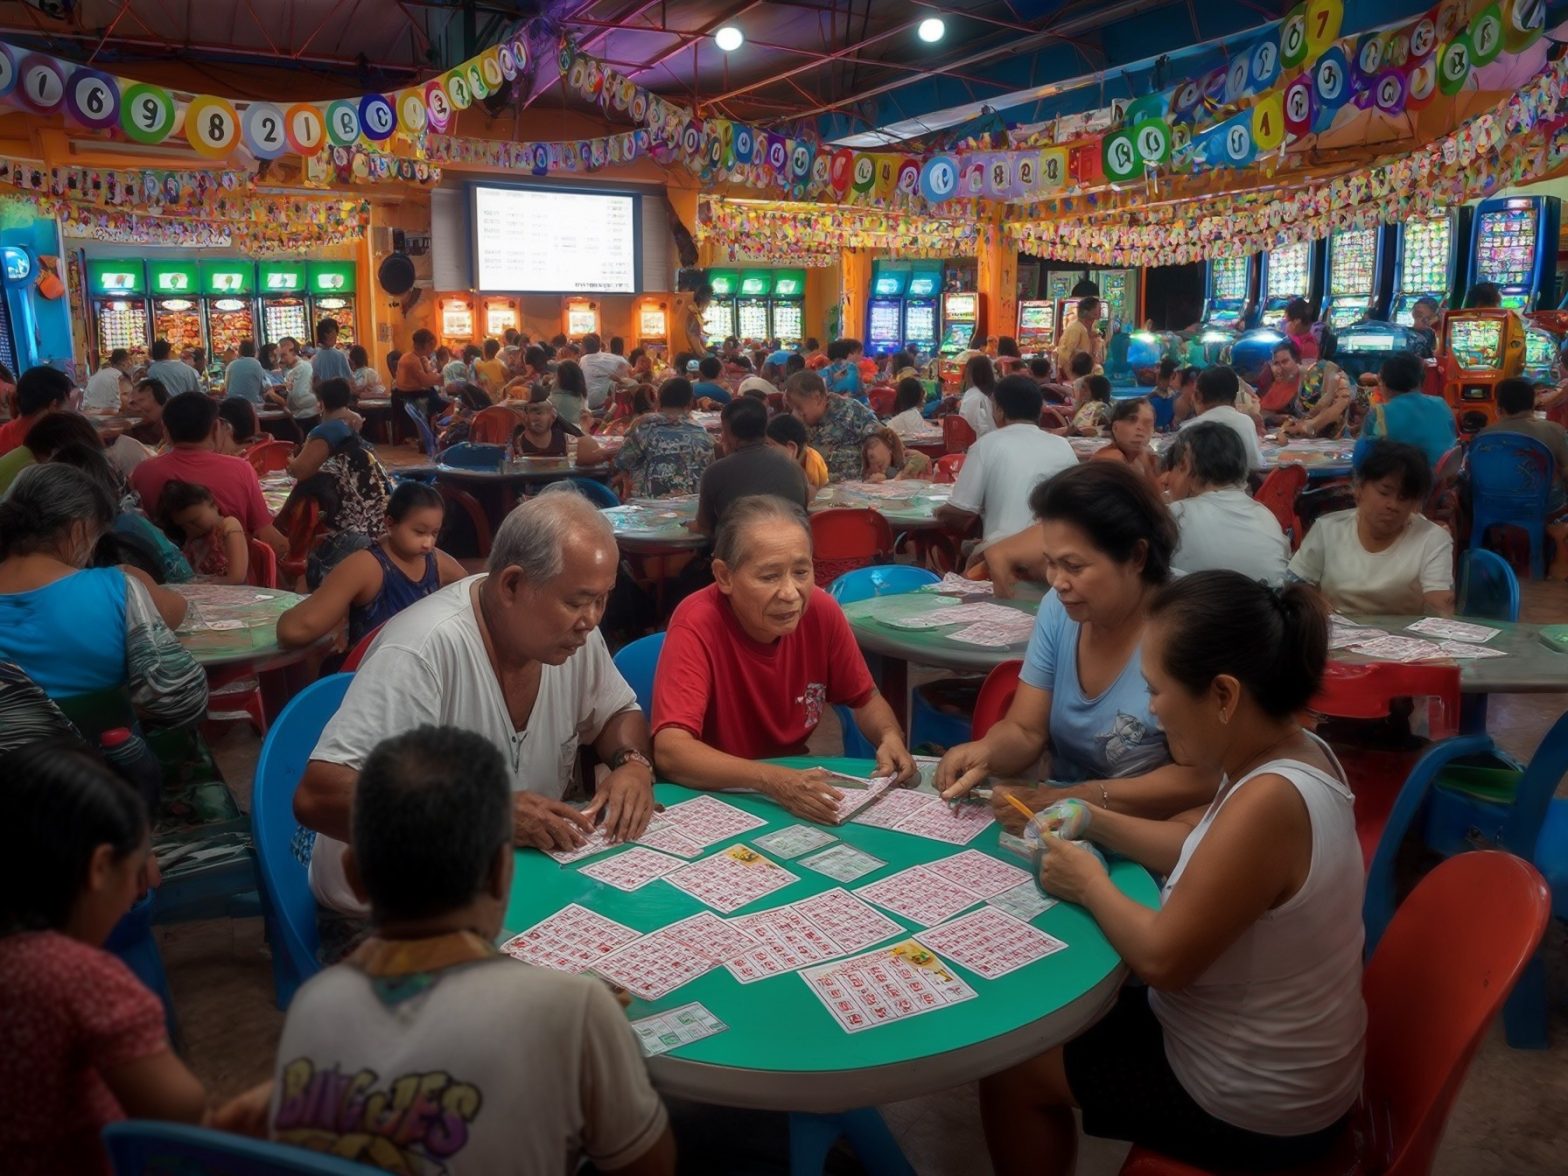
414 1123
1132 747
813 699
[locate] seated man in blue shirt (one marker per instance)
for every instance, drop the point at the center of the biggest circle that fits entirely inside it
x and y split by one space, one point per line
708 387
1408 414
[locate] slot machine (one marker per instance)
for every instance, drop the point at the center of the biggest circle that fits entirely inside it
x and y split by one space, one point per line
1353 288
1513 245
455 321
920 311
1227 304
960 320
18 319
1120 306
331 286
751 307
1289 272
1479 349
885 310
579 316
500 315
228 302
1036 328
653 326
787 310
117 305
719 319
281 286
176 305
1429 262
1362 347
1541 349
1059 283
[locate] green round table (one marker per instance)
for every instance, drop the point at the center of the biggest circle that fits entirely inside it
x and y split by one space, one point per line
246 620
1531 666
911 511
782 1049
652 525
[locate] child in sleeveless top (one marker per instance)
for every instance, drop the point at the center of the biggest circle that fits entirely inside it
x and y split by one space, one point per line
214 544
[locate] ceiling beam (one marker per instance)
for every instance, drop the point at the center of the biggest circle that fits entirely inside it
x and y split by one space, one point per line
249 53
836 55
316 32
689 39
618 22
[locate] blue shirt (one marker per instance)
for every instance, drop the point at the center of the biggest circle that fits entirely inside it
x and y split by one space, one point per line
844 376
333 432
69 635
715 392
246 378
779 358
330 364
1414 418
1102 738
175 375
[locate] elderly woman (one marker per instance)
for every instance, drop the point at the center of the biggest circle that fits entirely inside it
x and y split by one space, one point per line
751 662
79 631
1221 525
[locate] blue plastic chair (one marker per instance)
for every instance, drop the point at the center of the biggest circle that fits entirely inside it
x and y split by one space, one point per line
637 662
596 492
282 847
1511 479
811 1138
471 456
862 584
137 1147
427 435
1488 591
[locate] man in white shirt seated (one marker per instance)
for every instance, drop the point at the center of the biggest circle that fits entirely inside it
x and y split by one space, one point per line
600 370
1218 388
1003 467
1221 525
109 385
515 656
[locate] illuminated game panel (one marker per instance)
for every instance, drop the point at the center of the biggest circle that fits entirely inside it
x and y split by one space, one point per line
920 324
283 320
1427 255
1288 271
180 326
1343 316
230 325
1476 346
121 326
1228 277
788 320
884 324
1225 318
719 321
1540 351
1352 260
754 321
1505 247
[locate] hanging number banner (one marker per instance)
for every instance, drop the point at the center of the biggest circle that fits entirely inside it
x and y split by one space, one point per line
1119 157
1486 36
1263 64
342 123
211 126
1298 106
261 130
147 113
1422 85
93 99
303 129
1153 140
1323 21
742 145
377 119
1293 37
438 106
1268 122
42 82
1389 92
458 90
7 70
939 178
411 112
1453 65
1053 168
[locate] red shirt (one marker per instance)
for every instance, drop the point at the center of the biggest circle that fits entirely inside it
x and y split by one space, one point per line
14 432
232 481
749 699
72 1011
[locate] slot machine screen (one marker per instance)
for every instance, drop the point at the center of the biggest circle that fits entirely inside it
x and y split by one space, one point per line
1505 247
920 321
1361 342
1352 262
1540 352
884 321
1427 255
1477 346
1038 318
1288 271
1228 278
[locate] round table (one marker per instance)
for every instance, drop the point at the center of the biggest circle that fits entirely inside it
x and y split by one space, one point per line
523 471
1531 666
253 640
650 526
782 1049
909 507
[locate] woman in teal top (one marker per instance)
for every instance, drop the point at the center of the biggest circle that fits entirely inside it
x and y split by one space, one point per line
1103 542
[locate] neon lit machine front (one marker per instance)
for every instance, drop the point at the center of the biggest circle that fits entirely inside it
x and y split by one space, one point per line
1119 303
751 307
1059 283
960 319
718 321
653 326
500 314
456 326
1429 262
885 311
579 316
1541 349
331 285
281 286
117 306
1354 287
176 305
787 310
920 311
1289 272
1228 304
18 320
1479 349
1514 246
228 303
1036 327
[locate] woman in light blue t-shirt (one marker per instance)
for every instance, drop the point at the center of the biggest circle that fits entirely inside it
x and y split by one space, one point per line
1104 542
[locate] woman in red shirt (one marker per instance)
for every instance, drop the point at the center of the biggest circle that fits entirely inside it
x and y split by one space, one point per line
751 662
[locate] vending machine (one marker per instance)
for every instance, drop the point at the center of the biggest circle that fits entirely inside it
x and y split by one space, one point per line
117 306
1354 288
1429 262
331 287
1479 349
1120 307
653 326
1229 301
885 310
281 286
1289 272
787 311
176 305
719 319
1513 245
455 322
1036 328
500 316
920 311
228 303
580 316
751 307
960 320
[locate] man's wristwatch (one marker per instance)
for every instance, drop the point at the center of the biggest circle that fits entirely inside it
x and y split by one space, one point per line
630 755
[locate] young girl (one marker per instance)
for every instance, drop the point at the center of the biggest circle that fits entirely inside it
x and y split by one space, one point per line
1094 413
883 459
82 1042
1132 424
365 378
908 401
371 586
787 433
215 544
541 434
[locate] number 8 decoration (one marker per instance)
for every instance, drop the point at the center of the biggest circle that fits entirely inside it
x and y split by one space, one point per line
342 123
211 126
93 99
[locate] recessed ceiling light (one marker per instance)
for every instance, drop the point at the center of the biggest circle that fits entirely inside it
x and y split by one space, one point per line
932 29
729 38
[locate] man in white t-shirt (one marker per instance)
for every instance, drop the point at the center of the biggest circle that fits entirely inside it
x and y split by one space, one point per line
110 385
1002 468
600 370
1221 525
1217 390
515 656
462 1059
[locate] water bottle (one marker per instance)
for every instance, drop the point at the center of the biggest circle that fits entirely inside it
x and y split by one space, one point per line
134 762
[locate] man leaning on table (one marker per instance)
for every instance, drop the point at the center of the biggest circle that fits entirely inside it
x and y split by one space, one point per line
515 656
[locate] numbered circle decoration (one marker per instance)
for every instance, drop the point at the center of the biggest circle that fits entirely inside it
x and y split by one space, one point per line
342 123
1389 91
377 119
1153 141
490 69
1331 80
1523 22
1422 85
1213 85
999 177
1299 106
909 177
1188 94
1451 17
507 60
971 179
459 91
438 106
541 159
1293 37
638 106
1237 80
211 125
303 128
800 162
864 173
42 82
843 169
7 70
1368 61
1236 143
93 99
778 155
147 113
1486 35
1149 106
412 114
1263 64
1423 39
1453 65
1268 122
1119 156
520 54
477 88
1323 21
1181 138
1053 168
821 171
1028 177
743 142
261 130
1396 54
691 139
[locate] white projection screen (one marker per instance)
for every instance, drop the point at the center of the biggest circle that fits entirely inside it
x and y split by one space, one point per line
547 240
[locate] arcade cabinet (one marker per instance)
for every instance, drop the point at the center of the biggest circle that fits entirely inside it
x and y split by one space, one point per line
1478 349
1541 349
1362 347
176 308
653 327
228 304
787 310
579 317
1354 288
1059 283
19 328
885 309
331 285
719 319
283 313
456 328
960 321
1429 262
1513 244
1121 306
1289 272
751 306
500 315
920 306
1229 298
1036 328
117 306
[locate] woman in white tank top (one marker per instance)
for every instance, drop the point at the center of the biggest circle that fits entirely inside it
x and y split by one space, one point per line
1245 1050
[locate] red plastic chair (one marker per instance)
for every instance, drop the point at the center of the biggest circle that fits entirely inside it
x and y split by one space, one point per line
270 456
1055 417
995 697
361 648
303 528
493 426
1428 1007
947 467
881 399
957 434
846 538
1279 492
263 572
469 505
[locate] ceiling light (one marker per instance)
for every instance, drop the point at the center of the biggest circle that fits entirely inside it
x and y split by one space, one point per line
729 38
932 29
